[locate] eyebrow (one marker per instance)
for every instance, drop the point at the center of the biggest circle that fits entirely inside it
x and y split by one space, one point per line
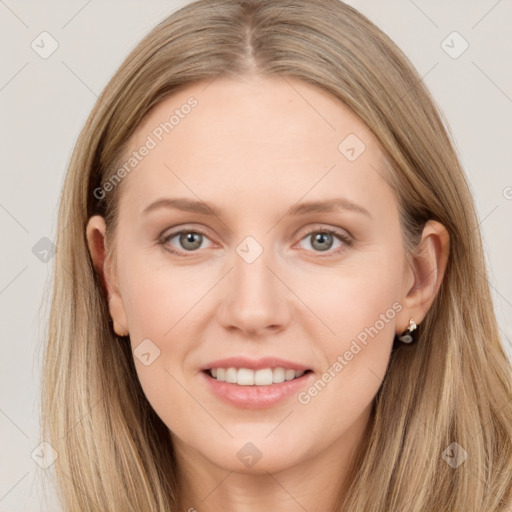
203 208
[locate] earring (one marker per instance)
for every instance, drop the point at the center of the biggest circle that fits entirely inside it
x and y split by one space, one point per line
118 330
407 336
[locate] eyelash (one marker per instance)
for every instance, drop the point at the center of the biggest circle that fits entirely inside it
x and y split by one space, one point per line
343 238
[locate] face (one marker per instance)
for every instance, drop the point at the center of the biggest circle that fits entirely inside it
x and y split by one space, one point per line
264 284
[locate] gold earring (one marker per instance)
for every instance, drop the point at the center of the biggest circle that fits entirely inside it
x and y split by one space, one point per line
407 336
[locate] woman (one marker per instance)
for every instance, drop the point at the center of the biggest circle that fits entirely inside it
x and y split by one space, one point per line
206 348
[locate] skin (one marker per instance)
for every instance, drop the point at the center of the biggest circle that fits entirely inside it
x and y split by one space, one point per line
254 147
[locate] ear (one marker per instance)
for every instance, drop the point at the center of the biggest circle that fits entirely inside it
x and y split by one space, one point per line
101 259
424 274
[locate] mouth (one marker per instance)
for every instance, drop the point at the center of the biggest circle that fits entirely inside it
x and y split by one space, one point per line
249 377
248 383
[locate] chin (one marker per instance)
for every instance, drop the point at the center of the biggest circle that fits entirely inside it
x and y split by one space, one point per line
255 457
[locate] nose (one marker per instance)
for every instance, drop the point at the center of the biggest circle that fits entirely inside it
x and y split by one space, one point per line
256 301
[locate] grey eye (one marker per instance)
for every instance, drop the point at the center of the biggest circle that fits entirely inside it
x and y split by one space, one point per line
190 240
321 240
324 240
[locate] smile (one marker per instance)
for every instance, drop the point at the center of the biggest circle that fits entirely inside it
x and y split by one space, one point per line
249 377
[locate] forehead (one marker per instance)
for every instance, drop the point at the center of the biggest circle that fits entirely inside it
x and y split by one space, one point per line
275 136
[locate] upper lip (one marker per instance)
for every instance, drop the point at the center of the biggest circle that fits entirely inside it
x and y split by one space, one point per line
254 364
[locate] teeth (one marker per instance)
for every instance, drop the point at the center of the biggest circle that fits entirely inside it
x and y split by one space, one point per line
247 377
263 377
289 374
231 375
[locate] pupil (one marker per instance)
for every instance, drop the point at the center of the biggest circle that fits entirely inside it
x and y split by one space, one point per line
322 237
189 238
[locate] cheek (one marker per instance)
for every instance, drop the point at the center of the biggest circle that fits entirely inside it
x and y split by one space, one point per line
159 299
159 304
356 359
360 310
165 306
353 298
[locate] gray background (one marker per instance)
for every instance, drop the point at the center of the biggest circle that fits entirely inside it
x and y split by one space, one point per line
44 104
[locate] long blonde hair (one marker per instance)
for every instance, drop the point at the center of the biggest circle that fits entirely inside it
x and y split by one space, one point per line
454 385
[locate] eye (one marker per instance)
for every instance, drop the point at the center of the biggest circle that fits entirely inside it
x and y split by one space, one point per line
189 239
323 240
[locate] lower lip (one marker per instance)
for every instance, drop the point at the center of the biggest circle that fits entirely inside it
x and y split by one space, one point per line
256 397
